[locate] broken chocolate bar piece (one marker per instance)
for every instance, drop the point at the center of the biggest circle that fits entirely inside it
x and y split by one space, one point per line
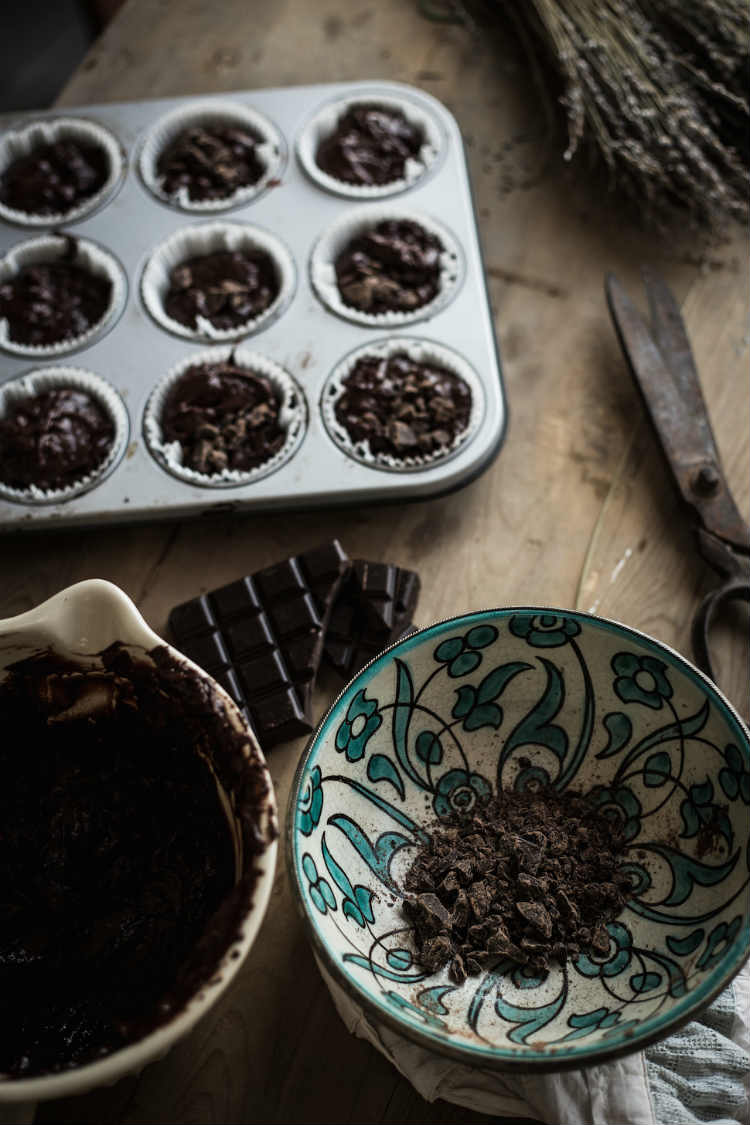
373 609
261 638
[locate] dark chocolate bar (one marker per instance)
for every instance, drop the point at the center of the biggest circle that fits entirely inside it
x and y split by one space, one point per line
374 607
261 638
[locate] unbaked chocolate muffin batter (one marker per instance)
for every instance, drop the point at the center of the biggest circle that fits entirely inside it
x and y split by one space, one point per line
393 267
117 865
370 145
228 288
54 301
53 439
402 407
211 162
54 178
224 417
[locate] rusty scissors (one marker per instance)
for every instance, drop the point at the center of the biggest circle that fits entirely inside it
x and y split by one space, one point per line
661 363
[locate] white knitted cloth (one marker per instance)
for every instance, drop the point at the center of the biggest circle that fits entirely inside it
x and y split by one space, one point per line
697 1075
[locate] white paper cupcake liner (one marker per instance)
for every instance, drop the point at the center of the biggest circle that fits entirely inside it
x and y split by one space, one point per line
325 121
20 142
89 256
270 151
207 238
419 351
45 379
292 418
355 223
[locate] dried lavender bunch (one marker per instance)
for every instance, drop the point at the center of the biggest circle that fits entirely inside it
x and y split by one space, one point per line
659 87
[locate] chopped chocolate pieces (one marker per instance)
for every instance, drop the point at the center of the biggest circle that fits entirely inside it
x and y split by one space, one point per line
53 439
224 417
370 145
54 178
227 288
50 302
211 162
262 637
403 408
532 877
395 266
373 609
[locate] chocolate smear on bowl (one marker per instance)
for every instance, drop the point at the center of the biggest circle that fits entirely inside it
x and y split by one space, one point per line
210 162
50 302
54 178
227 288
54 438
403 407
531 877
370 145
119 892
394 267
224 417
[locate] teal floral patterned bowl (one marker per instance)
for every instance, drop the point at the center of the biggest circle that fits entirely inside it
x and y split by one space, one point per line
504 699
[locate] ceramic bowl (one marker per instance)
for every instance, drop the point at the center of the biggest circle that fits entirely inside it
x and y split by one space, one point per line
509 698
80 622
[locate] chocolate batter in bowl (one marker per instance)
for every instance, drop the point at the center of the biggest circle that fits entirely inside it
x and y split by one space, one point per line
157 864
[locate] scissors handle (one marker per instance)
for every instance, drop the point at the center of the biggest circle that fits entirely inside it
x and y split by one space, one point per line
734 570
732 590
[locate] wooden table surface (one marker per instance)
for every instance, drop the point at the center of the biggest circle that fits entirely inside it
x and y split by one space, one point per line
578 510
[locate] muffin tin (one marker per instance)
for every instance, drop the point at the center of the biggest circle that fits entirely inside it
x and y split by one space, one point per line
306 337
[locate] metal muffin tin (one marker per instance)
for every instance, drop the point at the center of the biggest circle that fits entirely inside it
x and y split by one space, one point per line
307 339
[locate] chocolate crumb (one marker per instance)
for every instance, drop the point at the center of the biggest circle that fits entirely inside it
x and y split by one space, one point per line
529 876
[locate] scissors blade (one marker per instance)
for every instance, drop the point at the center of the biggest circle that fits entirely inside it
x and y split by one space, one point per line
677 419
668 330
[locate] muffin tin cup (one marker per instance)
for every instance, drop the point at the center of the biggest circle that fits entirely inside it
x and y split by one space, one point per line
49 378
292 418
45 248
355 223
20 142
208 238
270 152
325 121
420 351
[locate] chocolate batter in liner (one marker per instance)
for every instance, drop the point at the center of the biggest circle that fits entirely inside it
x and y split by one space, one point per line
338 239
326 122
292 419
458 427
125 882
84 255
62 456
269 152
193 246
100 150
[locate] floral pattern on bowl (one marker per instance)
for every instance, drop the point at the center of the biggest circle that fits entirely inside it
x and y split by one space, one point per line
514 698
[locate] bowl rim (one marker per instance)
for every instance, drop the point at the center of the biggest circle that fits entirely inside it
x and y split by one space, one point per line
54 619
544 1059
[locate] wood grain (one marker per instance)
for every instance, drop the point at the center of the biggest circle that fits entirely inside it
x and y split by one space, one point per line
577 487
